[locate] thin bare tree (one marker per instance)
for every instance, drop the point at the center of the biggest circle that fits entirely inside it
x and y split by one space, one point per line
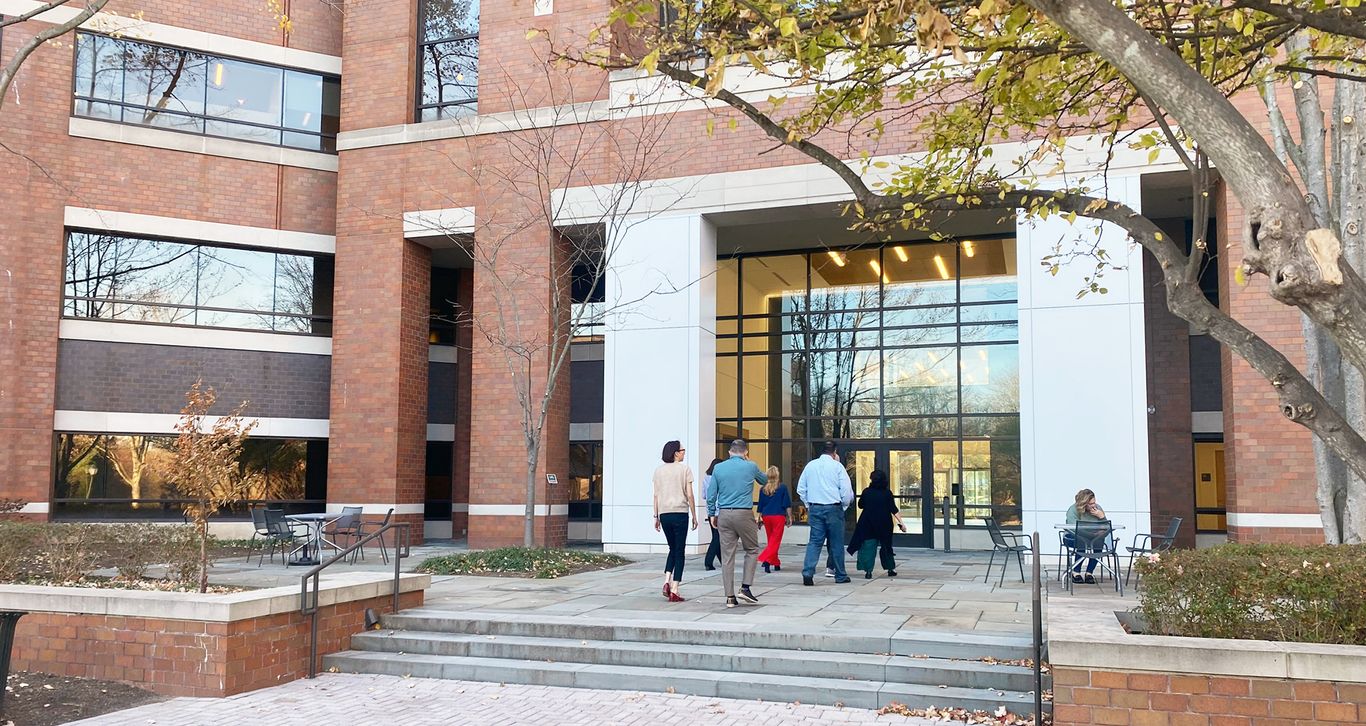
531 236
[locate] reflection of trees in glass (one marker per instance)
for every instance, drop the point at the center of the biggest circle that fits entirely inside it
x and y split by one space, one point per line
280 466
160 78
450 57
294 293
76 467
105 273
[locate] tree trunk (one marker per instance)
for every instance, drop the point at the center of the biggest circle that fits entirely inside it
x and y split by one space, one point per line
1349 185
202 529
529 526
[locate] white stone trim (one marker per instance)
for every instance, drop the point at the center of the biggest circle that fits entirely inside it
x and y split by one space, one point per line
440 432
212 43
110 331
114 422
1207 422
441 354
333 588
479 125
438 222
35 508
805 184
374 508
1274 520
516 510
460 508
89 128
199 231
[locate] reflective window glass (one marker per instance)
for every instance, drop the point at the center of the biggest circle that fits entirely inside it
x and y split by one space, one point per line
448 60
160 281
156 85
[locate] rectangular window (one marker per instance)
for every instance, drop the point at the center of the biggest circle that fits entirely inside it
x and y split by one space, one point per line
155 85
132 476
114 277
448 59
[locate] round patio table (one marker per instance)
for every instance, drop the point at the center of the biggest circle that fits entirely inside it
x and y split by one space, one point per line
315 522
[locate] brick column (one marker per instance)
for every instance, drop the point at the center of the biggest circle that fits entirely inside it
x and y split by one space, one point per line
1171 457
31 243
497 453
379 373
1269 461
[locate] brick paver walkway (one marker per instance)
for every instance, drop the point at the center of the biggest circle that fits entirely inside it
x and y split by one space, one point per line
341 698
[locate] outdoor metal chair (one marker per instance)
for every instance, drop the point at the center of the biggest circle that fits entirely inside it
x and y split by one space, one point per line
258 522
348 526
1007 543
281 537
1093 540
367 528
1148 544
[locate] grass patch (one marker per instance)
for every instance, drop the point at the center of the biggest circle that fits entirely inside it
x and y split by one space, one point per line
521 562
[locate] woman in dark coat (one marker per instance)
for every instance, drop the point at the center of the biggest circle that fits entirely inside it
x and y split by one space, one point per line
874 525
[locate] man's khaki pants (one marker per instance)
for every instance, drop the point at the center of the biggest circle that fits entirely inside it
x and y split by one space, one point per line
737 528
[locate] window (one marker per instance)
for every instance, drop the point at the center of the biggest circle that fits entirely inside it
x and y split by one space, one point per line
585 480
132 476
156 85
907 342
448 59
113 277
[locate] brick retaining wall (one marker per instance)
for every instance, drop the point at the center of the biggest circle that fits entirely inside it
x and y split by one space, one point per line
1161 699
189 644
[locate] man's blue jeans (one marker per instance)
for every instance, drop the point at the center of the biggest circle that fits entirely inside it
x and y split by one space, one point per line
827 527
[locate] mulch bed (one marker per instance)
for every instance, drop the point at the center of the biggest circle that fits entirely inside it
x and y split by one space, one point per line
39 699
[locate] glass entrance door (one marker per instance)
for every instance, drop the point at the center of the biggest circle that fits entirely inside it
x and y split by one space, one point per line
910 474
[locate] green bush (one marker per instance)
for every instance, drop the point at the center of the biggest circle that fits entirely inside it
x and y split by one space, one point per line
1307 594
520 561
57 553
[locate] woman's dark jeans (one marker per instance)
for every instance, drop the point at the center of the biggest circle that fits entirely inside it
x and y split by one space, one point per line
675 526
1070 540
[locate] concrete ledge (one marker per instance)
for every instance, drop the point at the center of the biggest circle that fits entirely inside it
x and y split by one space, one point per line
1085 635
220 608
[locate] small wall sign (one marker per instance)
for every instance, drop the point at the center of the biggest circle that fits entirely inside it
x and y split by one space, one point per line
551 479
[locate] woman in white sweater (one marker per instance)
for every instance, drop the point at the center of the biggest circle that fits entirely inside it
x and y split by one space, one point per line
673 504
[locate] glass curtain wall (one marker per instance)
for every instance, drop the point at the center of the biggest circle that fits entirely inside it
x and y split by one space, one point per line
906 342
133 476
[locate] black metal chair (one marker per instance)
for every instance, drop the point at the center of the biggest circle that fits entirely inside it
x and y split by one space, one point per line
1094 540
1152 544
1008 543
258 521
367 528
281 536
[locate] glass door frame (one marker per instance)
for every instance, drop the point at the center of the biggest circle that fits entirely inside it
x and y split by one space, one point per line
882 455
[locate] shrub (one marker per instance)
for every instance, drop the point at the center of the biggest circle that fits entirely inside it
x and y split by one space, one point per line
1308 594
520 561
57 553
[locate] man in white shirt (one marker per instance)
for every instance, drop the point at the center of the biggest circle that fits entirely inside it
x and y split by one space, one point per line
825 488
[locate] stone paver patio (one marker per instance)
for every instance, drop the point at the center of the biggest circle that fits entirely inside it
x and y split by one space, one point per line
935 591
342 699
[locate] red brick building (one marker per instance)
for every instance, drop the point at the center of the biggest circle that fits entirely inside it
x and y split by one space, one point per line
288 216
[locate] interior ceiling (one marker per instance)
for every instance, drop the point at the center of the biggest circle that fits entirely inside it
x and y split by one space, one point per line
815 226
1167 195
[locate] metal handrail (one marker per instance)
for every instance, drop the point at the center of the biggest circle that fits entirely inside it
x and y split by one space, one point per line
1036 603
310 607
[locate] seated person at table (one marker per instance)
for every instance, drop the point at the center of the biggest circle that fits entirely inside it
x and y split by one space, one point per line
1084 509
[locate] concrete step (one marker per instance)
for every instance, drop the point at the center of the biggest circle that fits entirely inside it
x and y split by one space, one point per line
672 655
760 634
829 691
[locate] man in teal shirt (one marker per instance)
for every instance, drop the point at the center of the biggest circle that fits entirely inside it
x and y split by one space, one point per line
732 498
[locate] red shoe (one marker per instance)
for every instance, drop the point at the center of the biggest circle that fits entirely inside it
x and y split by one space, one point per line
675 597
666 590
